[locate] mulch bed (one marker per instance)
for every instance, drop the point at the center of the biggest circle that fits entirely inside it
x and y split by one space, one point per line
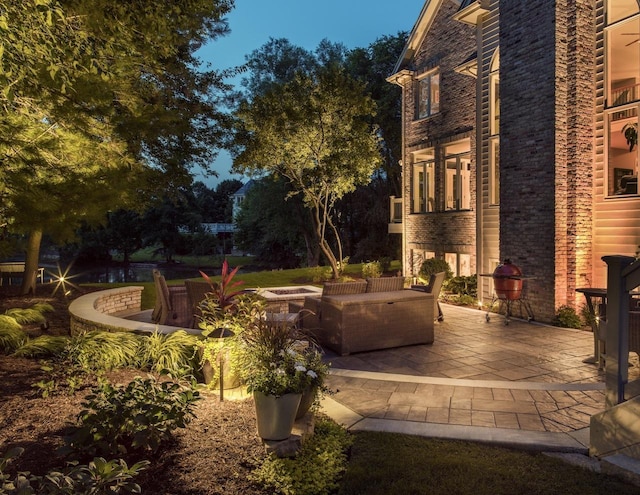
213 455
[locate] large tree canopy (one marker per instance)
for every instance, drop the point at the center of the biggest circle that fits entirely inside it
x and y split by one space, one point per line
101 102
314 130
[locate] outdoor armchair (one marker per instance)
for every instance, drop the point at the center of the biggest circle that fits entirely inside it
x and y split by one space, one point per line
172 306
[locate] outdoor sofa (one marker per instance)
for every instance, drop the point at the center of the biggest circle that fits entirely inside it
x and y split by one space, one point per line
369 315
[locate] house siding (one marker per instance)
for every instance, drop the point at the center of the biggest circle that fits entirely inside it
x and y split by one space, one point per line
489 218
616 221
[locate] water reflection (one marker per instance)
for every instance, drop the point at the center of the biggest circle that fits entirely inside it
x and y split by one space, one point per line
134 272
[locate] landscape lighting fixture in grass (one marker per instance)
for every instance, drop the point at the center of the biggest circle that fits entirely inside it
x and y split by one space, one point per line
62 279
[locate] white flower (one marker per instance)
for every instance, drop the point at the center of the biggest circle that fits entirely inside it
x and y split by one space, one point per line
300 367
312 374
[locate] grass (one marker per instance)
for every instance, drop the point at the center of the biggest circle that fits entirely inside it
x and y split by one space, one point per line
269 278
394 464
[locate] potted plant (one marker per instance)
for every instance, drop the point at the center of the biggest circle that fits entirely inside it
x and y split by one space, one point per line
278 366
630 131
224 313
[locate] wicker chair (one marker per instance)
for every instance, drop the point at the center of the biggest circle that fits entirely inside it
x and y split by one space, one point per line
435 285
196 292
171 307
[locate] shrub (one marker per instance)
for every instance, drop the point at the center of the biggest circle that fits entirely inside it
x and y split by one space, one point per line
385 263
34 314
434 265
567 317
464 286
43 346
97 477
372 269
11 336
317 468
173 354
139 416
104 351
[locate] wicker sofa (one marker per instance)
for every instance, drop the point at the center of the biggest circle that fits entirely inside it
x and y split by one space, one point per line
369 315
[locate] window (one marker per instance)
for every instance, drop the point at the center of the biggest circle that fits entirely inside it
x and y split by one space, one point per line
428 96
494 91
494 130
494 171
459 263
622 45
458 176
424 182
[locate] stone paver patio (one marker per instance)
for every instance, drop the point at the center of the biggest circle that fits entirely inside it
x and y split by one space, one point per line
522 380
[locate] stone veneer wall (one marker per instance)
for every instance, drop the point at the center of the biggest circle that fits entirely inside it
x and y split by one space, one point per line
447 44
105 311
547 101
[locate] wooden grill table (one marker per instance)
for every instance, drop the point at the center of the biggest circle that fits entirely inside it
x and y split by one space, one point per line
596 298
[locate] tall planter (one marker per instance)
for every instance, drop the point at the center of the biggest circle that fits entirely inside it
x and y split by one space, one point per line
276 415
308 396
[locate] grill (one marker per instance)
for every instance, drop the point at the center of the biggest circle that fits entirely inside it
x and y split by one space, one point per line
508 283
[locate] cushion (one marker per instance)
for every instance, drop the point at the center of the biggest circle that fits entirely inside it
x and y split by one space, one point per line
342 288
385 284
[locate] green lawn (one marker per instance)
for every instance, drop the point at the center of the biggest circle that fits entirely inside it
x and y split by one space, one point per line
393 464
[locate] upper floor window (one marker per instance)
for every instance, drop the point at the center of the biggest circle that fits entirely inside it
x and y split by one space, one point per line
428 95
622 60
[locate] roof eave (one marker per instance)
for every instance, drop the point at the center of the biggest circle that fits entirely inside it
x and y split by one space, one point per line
470 15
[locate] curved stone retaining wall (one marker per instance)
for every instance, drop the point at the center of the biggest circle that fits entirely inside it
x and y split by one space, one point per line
106 311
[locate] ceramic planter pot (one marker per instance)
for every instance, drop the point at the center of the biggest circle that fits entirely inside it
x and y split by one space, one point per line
306 401
276 415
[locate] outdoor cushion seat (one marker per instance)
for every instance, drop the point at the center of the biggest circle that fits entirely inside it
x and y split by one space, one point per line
384 284
435 285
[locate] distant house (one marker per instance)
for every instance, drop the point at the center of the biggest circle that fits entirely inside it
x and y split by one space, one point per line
239 196
520 141
236 198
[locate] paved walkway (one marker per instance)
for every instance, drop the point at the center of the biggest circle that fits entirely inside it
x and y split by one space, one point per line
522 384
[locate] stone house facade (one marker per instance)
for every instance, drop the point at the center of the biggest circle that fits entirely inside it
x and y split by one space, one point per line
545 93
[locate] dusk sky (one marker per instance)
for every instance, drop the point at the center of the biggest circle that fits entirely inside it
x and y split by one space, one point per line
355 23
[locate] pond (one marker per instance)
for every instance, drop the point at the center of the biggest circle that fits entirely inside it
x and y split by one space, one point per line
119 273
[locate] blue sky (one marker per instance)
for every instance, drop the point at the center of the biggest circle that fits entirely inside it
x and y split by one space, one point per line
355 23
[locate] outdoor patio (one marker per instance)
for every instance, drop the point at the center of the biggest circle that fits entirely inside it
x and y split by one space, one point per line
518 384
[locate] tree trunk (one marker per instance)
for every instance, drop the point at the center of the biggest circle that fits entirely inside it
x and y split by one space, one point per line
31 263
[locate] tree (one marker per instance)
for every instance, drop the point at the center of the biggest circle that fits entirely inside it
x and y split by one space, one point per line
125 232
101 103
274 226
314 132
166 224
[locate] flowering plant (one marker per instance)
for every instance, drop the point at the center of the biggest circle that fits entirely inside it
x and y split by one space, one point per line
276 361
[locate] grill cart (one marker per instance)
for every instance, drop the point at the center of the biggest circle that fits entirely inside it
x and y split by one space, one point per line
508 291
